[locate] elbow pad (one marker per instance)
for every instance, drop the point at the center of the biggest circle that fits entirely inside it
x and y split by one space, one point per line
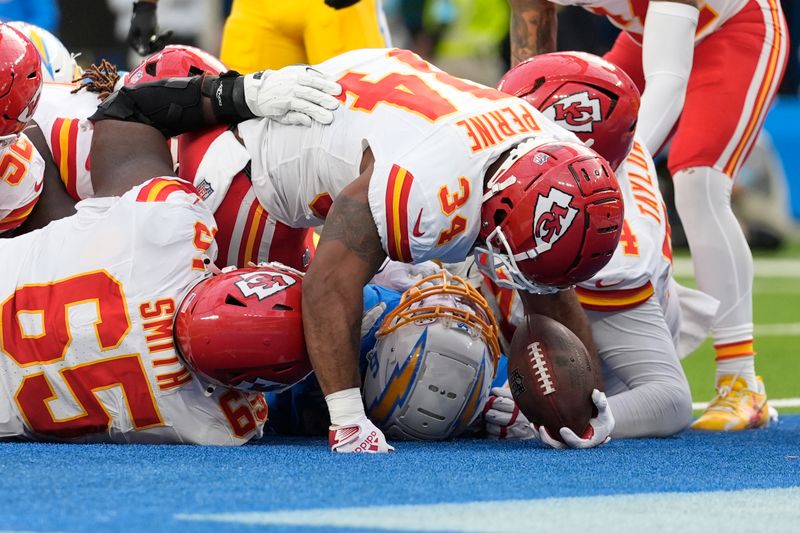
175 105
667 52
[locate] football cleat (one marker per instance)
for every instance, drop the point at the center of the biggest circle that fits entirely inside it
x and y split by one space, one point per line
735 407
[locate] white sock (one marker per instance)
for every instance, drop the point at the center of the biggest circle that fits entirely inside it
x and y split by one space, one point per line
742 366
723 264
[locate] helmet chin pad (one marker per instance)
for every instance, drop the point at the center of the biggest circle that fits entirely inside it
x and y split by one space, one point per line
438 406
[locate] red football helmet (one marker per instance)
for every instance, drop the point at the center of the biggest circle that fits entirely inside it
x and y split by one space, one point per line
582 93
244 329
551 217
174 61
20 82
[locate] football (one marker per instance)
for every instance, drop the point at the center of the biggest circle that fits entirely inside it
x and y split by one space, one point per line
551 375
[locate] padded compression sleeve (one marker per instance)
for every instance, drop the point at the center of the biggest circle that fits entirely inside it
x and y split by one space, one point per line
172 106
667 53
175 105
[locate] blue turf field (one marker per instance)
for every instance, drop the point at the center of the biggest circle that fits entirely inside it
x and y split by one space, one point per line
88 488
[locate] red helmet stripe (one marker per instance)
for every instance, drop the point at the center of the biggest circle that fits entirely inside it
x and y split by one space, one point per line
397 191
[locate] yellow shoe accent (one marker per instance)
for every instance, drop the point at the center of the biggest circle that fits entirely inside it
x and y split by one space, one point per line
735 407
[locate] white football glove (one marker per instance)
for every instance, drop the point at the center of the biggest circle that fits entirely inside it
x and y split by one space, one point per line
503 418
360 436
402 276
293 95
600 428
369 318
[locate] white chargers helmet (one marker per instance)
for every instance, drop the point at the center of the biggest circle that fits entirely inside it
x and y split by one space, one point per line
58 64
432 367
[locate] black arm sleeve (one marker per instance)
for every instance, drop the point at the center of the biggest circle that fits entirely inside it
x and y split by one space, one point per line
175 105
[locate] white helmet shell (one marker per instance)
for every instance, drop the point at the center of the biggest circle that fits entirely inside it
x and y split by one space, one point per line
58 64
430 373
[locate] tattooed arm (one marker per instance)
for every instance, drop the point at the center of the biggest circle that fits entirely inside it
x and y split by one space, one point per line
348 255
533 29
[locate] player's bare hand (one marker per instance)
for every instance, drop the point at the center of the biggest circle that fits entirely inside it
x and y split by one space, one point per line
503 418
294 95
359 436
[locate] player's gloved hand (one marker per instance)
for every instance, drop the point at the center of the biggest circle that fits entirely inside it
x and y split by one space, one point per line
359 436
503 418
339 4
143 34
402 276
597 433
370 317
293 95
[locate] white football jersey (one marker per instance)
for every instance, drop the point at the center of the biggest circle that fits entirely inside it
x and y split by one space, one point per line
641 266
629 15
21 180
433 137
213 160
87 316
63 118
642 263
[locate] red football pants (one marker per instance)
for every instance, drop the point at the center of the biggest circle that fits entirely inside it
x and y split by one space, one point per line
735 76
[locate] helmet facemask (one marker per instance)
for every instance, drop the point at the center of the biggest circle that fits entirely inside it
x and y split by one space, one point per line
431 370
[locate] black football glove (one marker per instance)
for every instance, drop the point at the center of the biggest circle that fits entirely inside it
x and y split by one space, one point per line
339 4
143 35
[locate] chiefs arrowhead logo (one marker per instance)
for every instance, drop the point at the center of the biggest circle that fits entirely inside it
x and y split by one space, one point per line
262 284
552 218
27 113
576 112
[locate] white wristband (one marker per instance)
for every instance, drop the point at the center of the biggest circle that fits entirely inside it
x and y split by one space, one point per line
345 406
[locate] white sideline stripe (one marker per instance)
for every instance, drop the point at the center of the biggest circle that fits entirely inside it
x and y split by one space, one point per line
743 510
777 403
768 268
777 330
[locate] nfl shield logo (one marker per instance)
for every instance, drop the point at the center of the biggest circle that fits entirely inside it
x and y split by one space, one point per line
204 189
